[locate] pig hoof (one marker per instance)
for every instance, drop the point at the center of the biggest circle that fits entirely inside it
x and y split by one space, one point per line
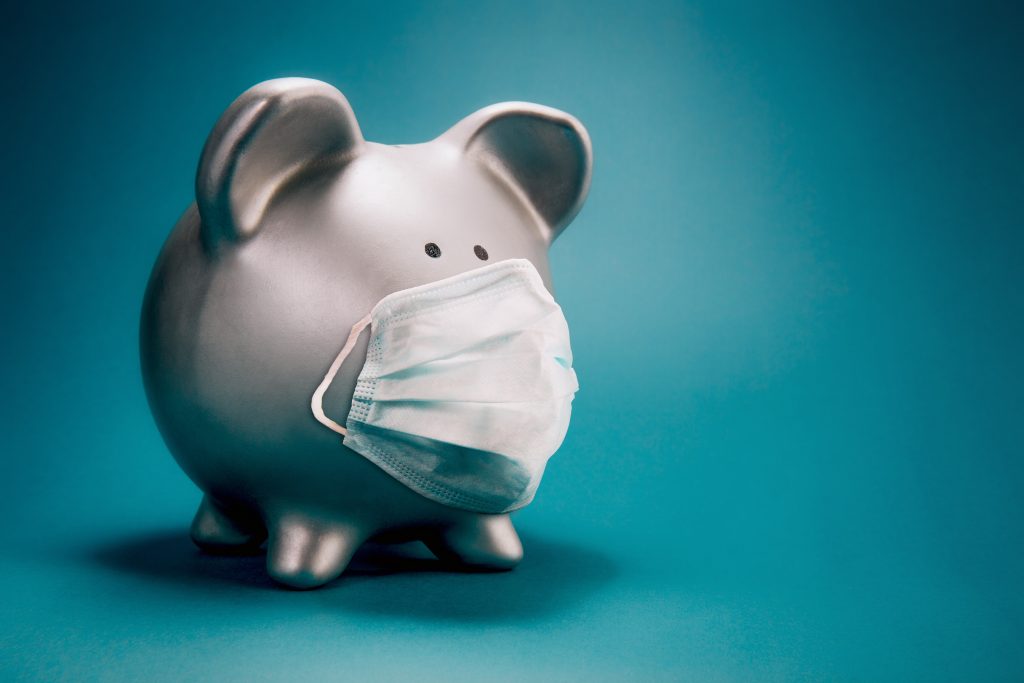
485 543
303 554
213 530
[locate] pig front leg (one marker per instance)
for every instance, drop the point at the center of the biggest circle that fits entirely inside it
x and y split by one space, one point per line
304 552
481 543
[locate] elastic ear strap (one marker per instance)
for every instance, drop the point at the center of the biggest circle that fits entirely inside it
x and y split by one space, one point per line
318 396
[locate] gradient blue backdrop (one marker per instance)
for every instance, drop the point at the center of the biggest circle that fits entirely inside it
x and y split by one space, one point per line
795 296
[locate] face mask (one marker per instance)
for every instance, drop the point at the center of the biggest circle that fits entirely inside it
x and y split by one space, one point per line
467 387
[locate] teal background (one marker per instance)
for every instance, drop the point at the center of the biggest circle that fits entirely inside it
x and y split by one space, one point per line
795 299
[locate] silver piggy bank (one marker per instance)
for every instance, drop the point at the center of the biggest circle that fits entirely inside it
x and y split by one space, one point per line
300 227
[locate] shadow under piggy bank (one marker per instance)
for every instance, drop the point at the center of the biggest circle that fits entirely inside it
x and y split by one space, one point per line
383 579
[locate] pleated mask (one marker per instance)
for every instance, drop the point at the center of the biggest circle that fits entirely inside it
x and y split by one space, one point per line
467 387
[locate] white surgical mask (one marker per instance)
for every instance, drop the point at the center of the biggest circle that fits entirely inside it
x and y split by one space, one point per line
467 387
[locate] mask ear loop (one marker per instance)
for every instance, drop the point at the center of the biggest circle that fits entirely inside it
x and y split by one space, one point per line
318 396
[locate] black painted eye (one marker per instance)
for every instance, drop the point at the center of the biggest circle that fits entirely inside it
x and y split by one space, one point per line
433 251
480 252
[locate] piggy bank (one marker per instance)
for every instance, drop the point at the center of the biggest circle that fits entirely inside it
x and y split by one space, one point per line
300 230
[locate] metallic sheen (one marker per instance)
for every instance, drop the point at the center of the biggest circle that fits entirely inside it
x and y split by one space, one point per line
299 227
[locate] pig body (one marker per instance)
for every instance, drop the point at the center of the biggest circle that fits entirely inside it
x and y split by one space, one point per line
300 226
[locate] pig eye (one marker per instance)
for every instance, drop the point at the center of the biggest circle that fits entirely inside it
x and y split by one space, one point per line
480 252
433 251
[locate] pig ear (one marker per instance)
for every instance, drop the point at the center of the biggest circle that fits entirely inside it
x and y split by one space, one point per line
270 133
541 152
